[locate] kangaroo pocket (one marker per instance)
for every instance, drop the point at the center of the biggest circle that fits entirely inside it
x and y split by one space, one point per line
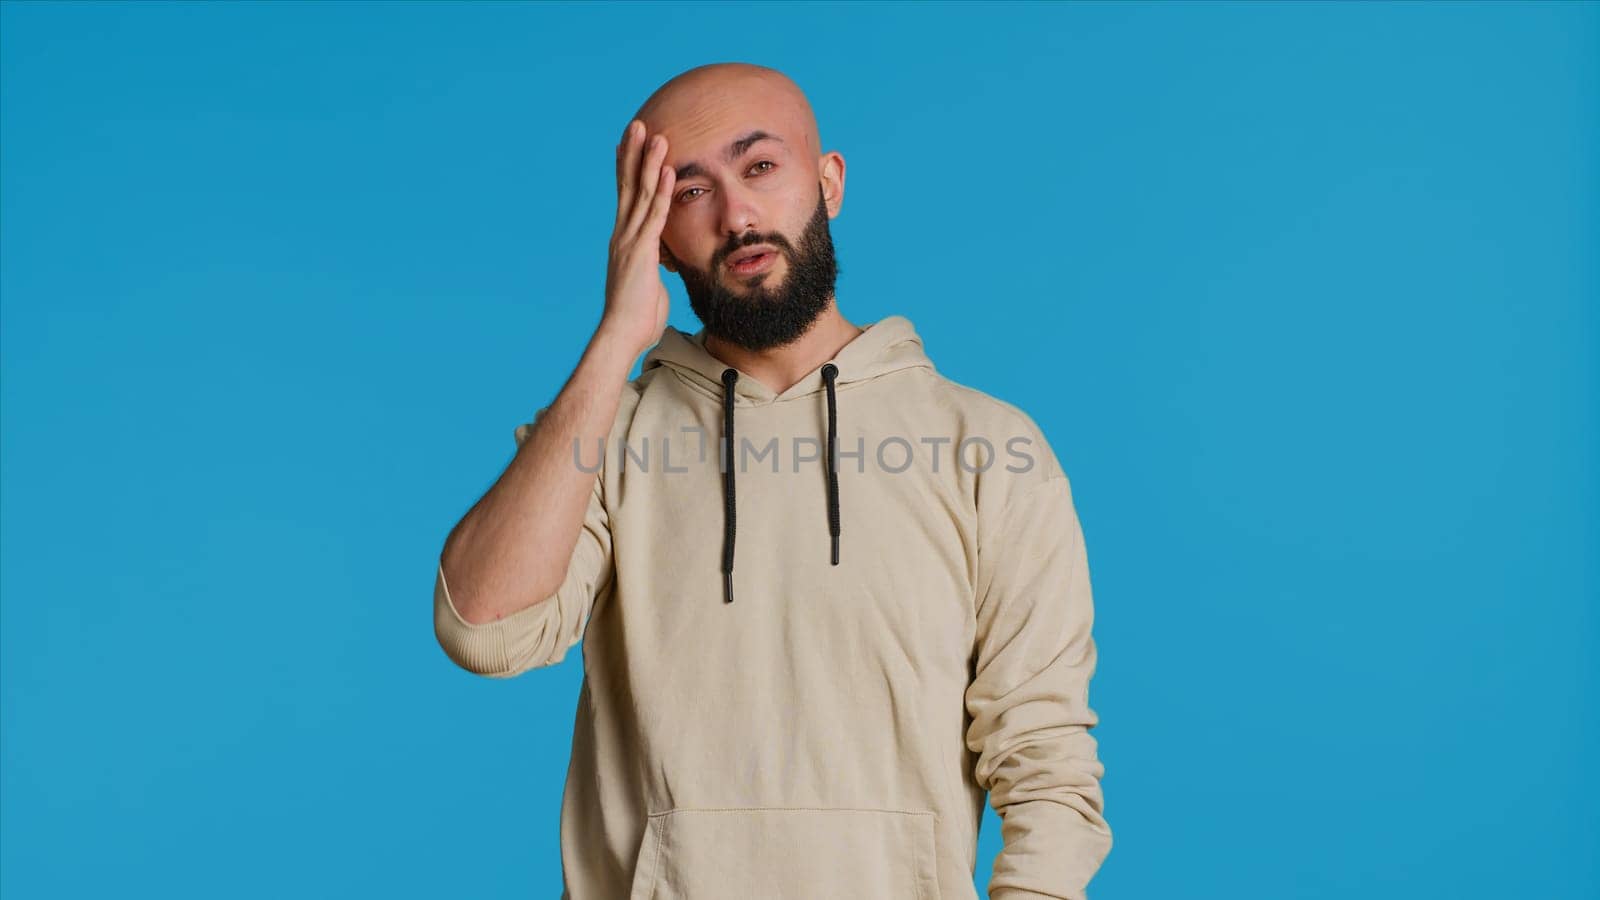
789 853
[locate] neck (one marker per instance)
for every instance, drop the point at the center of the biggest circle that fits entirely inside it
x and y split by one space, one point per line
780 368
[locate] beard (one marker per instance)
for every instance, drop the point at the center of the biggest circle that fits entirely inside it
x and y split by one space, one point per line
758 316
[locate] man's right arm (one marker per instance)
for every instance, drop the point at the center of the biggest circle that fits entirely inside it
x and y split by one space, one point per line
519 573
539 536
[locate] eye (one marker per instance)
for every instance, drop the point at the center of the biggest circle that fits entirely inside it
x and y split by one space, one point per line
688 193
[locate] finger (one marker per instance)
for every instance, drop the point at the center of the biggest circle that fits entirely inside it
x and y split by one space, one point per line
649 177
622 144
627 166
656 219
627 169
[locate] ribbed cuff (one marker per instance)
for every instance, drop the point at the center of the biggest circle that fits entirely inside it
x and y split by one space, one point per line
1011 893
477 648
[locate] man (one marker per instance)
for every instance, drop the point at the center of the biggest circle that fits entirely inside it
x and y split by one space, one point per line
813 703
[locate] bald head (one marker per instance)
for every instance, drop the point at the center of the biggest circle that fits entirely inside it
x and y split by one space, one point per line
687 101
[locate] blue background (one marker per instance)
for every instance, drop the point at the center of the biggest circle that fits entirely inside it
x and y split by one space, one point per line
1304 296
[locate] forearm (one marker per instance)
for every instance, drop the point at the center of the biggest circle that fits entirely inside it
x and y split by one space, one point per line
513 547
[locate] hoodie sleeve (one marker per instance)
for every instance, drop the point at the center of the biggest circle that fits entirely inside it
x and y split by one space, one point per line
540 634
1029 698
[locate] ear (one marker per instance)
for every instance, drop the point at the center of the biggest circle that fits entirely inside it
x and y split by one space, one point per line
833 181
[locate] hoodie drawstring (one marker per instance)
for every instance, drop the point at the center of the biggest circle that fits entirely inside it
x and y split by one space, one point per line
729 376
829 372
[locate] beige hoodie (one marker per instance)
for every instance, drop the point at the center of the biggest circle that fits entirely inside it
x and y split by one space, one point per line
812 704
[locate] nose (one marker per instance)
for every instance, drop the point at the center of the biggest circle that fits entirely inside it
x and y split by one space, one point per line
738 213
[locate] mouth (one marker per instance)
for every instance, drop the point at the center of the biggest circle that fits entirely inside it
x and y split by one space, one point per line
755 259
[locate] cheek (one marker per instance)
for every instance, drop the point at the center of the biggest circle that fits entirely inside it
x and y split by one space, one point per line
682 227
797 212
684 243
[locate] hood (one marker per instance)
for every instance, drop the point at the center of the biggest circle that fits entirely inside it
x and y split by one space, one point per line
887 345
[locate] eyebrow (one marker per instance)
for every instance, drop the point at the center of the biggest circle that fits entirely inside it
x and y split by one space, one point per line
734 151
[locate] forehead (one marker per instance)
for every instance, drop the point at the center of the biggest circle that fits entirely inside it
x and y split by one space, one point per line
703 127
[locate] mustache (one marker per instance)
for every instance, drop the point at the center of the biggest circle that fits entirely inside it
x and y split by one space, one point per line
775 241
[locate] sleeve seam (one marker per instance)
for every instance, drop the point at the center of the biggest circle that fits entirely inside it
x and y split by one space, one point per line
981 601
1014 501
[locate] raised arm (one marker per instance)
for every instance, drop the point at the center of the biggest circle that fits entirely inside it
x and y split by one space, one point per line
519 572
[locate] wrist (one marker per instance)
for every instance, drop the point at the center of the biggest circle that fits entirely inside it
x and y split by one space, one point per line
614 348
